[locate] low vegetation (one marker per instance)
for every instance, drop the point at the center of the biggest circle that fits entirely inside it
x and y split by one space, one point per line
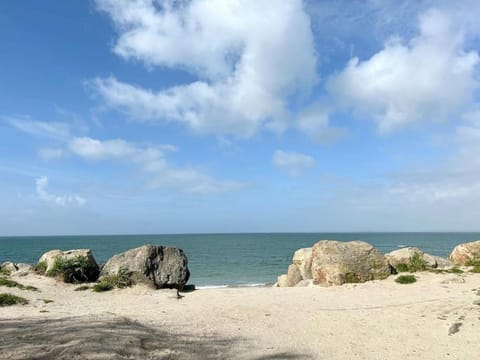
120 280
416 263
40 267
9 299
75 270
4 272
11 284
455 270
406 279
476 265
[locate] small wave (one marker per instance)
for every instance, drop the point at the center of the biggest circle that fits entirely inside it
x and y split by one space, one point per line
402 246
211 287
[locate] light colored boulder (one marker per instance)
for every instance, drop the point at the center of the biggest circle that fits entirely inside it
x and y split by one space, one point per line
302 259
17 269
336 263
282 280
305 283
293 275
464 253
49 257
155 265
403 255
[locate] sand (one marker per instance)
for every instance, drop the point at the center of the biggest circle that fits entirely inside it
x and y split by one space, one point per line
438 317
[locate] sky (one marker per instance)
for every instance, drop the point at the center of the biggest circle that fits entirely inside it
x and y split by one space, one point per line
202 116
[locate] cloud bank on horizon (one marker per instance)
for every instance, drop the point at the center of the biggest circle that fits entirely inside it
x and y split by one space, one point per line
251 116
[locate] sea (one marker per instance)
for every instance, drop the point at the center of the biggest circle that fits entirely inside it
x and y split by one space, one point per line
227 260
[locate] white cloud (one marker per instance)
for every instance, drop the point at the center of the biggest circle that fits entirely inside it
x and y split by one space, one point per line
52 129
249 56
431 77
292 163
62 200
151 161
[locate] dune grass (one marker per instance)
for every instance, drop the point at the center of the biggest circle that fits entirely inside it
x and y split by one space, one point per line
415 263
11 284
9 299
40 267
406 279
109 282
75 270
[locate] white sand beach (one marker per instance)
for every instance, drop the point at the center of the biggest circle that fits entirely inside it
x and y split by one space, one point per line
438 317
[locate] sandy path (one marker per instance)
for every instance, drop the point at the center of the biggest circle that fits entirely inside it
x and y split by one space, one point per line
375 320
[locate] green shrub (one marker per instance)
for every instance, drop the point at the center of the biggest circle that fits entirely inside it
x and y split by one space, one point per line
10 283
75 270
417 263
120 280
402 267
406 279
4 272
40 267
9 299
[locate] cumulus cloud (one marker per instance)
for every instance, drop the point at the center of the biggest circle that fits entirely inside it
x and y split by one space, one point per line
293 163
241 52
61 200
151 161
431 77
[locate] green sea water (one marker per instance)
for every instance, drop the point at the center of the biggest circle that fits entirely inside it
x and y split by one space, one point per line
227 259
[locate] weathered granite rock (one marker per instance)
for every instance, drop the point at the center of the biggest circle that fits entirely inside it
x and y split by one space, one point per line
336 263
282 281
403 256
302 259
293 275
305 283
155 265
464 253
18 269
92 267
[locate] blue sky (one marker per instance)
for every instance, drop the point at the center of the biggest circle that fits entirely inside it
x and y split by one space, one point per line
239 116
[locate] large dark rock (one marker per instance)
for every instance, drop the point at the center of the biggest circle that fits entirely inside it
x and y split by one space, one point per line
155 265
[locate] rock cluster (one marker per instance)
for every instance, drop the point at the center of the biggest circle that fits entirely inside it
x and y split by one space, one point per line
155 265
330 263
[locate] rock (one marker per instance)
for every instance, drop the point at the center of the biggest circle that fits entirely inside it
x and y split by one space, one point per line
305 283
155 265
293 275
464 253
438 262
302 259
403 256
282 281
9 267
91 271
336 263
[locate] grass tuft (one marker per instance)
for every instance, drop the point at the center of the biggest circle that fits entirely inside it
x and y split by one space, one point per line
75 270
415 263
456 270
4 272
9 299
40 267
11 284
120 280
406 279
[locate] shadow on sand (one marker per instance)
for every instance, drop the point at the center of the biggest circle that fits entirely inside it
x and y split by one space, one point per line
112 338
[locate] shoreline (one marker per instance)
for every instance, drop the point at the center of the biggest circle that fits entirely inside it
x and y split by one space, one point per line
434 318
